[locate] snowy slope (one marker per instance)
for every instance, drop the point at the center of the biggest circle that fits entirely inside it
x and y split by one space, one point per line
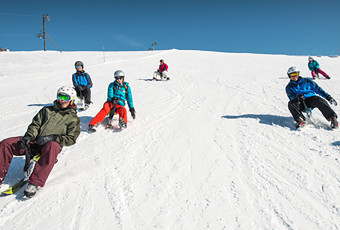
214 148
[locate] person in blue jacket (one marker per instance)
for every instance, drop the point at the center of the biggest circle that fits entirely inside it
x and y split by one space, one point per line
314 67
118 92
303 91
82 84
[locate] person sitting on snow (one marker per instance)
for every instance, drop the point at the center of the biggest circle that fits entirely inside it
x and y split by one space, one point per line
315 68
119 91
52 128
162 71
302 92
82 84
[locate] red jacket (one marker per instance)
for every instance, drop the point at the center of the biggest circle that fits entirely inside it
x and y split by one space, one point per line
163 67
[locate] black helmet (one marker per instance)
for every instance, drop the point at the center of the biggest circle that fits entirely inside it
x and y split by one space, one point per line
79 63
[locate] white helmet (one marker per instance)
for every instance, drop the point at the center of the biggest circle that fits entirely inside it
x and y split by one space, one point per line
310 58
119 73
68 90
291 70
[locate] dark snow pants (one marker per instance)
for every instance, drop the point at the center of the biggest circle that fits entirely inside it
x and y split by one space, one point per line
296 107
49 152
84 92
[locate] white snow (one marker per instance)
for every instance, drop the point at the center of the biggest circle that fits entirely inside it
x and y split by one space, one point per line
213 148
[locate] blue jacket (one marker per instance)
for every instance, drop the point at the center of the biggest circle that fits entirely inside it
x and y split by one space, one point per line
81 79
121 91
304 86
312 65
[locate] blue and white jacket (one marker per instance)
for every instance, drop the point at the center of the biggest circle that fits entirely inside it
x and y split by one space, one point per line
304 86
81 79
120 91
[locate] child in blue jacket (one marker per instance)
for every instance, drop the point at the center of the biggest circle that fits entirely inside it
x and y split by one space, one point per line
82 83
303 91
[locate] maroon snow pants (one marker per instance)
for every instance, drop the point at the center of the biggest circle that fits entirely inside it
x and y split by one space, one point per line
49 152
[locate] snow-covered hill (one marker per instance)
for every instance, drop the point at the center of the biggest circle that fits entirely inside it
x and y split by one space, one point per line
214 148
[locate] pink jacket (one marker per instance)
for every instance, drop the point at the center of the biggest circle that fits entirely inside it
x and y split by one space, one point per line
163 67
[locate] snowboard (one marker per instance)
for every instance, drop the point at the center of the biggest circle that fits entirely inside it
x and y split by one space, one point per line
13 189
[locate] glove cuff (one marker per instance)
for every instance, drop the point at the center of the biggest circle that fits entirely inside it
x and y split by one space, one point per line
28 136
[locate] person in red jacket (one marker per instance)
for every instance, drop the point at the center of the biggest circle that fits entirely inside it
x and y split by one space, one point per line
162 71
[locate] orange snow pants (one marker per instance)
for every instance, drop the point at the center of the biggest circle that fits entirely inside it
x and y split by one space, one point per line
120 110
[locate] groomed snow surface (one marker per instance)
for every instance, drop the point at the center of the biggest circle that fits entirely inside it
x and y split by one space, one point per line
213 148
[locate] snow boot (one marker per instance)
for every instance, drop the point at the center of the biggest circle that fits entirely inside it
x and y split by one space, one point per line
92 128
328 77
31 190
300 123
122 123
334 123
82 104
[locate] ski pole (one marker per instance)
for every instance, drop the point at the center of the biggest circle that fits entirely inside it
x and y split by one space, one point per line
306 109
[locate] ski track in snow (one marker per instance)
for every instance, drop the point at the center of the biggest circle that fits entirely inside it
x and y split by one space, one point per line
213 148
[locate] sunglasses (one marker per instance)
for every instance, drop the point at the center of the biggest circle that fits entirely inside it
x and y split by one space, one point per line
64 97
77 66
117 78
294 74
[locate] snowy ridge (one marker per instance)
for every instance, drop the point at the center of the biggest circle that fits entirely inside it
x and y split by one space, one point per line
213 148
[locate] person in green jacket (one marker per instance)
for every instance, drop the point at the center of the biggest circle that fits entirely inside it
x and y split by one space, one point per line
52 128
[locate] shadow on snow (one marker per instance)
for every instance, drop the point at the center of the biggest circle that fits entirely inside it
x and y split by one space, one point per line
49 104
267 119
336 143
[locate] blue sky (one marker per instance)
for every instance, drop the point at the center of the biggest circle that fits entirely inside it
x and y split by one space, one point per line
240 26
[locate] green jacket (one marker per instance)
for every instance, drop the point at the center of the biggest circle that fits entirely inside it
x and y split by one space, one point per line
53 120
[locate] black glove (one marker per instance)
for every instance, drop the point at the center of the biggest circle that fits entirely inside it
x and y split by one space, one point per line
300 97
331 100
44 139
133 112
24 141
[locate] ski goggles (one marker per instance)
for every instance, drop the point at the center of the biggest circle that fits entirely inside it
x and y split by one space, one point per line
63 97
117 78
77 66
294 74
